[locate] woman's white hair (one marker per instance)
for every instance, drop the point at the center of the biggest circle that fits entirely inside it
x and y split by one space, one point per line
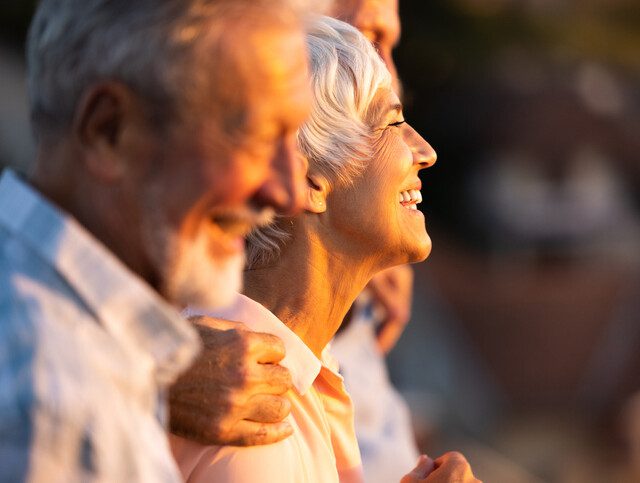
338 138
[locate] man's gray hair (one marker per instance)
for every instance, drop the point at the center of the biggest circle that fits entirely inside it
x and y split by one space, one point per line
338 138
146 44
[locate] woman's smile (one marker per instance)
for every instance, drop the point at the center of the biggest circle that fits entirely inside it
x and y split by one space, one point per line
410 198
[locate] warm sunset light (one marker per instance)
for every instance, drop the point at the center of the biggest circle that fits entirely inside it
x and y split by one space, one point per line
323 241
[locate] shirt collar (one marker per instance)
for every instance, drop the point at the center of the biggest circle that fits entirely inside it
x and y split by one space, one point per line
302 363
127 307
331 370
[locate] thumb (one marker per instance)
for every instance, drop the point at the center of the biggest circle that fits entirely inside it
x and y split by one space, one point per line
216 323
424 466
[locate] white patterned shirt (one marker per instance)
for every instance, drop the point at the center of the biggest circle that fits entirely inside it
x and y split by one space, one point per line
86 351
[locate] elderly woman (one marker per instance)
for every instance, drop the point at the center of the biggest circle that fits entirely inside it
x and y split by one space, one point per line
360 217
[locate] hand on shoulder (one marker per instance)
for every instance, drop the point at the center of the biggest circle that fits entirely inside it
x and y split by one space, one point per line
234 393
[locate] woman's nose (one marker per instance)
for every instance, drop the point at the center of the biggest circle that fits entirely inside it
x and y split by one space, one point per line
423 153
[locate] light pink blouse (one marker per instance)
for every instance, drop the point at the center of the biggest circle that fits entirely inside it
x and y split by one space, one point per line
323 447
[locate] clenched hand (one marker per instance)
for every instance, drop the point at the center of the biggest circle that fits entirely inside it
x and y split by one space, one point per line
234 392
451 467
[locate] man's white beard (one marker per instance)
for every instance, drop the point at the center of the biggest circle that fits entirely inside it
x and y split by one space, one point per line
199 280
190 275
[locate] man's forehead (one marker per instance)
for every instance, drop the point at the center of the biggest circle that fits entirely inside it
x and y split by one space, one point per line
271 54
351 8
246 47
379 20
258 70
238 72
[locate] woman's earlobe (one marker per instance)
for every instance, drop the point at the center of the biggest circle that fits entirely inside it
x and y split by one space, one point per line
317 190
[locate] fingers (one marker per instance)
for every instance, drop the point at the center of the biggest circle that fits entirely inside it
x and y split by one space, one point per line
384 291
452 466
232 394
448 468
215 323
265 408
250 433
393 287
393 290
270 379
266 348
198 425
424 466
389 333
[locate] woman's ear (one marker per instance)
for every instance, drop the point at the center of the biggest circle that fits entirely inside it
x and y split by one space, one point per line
317 191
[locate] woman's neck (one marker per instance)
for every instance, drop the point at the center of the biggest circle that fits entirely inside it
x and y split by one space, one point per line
310 289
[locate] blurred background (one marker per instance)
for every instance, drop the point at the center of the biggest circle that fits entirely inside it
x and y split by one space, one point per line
524 348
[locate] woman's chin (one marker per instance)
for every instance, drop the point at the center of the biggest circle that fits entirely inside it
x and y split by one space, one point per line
421 251
415 253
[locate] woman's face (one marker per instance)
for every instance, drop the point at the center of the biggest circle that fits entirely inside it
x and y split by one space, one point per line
378 213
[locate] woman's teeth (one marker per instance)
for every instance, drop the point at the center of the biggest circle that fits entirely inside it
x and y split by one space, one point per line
410 198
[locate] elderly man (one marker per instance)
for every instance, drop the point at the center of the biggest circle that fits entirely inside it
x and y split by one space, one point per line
165 131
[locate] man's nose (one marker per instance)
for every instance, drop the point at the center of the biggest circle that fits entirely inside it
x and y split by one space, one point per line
284 188
423 153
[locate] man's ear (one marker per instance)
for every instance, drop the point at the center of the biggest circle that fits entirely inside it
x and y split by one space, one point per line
99 123
317 191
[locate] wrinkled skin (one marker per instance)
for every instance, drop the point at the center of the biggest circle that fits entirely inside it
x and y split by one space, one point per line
229 399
